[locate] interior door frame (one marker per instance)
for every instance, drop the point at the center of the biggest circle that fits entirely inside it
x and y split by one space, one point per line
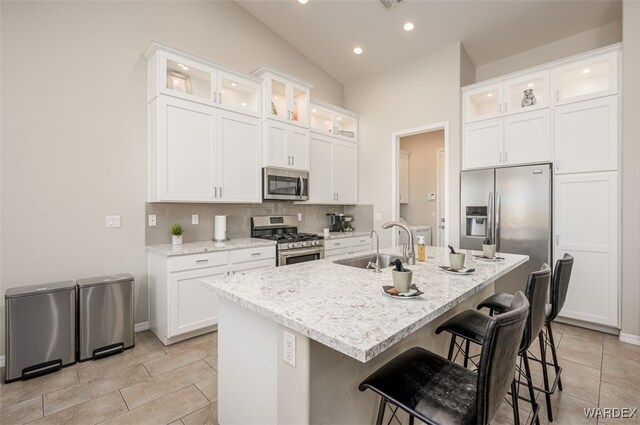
395 169
440 173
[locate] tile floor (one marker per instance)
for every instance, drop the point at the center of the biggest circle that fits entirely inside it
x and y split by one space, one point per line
177 385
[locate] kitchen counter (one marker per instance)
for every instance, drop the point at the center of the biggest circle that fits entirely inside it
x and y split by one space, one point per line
344 308
169 250
297 340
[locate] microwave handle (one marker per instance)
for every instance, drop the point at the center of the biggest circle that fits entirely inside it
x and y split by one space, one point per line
301 186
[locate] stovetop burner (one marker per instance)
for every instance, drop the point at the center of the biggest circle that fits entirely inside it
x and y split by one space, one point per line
291 237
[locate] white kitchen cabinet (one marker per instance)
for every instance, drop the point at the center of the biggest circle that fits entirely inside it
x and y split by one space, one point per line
333 171
331 120
285 146
198 153
180 74
586 78
586 136
521 93
286 97
347 246
482 145
404 177
513 140
180 307
586 226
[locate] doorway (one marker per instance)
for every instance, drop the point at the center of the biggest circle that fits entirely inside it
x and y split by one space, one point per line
420 182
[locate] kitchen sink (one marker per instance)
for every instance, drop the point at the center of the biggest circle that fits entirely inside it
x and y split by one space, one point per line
362 262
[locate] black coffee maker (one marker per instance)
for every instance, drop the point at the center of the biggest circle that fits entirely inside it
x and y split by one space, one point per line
339 222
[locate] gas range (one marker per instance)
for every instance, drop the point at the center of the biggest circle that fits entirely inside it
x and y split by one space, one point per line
292 246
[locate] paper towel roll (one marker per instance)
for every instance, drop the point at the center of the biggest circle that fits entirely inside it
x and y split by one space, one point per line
220 228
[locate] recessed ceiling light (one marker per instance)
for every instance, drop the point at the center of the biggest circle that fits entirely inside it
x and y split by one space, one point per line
233 84
357 50
489 94
244 104
530 85
303 1
184 68
314 110
408 26
586 71
339 118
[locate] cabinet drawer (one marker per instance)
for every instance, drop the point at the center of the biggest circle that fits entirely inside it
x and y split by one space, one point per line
252 254
336 243
360 249
267 263
336 252
198 261
360 241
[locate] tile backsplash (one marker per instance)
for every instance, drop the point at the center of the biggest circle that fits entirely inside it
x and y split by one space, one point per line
314 218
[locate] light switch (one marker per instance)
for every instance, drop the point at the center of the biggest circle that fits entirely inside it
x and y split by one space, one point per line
431 197
113 221
195 219
299 216
152 220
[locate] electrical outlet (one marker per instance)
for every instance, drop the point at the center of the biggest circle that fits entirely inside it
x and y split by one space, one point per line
431 196
299 216
377 216
289 348
195 219
113 221
152 220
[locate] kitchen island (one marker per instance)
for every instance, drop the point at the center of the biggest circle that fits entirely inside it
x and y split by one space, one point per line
344 328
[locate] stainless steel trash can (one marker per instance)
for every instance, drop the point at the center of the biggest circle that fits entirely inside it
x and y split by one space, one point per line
40 329
105 315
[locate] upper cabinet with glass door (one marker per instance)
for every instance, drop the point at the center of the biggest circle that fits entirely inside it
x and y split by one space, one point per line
286 97
180 74
523 93
587 78
334 121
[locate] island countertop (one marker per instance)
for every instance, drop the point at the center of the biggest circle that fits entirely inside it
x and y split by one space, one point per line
344 307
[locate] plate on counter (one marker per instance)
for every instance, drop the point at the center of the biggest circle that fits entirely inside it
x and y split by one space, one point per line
489 259
465 271
413 293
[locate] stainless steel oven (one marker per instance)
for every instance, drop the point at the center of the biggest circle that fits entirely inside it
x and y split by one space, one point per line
300 255
285 185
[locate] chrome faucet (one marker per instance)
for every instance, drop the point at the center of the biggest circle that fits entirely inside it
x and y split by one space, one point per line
409 253
377 263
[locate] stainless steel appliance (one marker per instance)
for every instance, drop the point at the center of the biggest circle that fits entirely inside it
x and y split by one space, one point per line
285 185
339 222
511 206
292 247
105 315
40 329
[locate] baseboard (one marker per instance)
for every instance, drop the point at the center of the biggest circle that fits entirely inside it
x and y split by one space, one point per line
588 325
628 338
142 326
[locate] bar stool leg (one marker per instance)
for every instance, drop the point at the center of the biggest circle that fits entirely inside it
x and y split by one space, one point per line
532 395
466 353
411 419
451 346
514 401
545 376
554 354
380 417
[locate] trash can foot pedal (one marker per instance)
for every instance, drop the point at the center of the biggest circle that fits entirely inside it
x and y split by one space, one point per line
108 350
41 369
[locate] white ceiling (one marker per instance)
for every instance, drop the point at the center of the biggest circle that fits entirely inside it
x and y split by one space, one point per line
326 31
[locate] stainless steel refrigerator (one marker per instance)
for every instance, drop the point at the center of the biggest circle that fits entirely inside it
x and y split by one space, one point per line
512 207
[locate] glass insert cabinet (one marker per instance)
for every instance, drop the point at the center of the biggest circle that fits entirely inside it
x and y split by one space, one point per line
286 97
331 120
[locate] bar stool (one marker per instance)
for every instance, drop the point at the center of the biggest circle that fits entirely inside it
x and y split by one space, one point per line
438 391
500 303
469 326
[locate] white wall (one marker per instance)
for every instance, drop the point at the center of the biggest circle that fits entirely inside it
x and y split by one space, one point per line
74 125
630 170
588 40
423 178
421 92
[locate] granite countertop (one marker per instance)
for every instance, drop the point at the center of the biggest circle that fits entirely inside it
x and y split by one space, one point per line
186 248
344 308
341 235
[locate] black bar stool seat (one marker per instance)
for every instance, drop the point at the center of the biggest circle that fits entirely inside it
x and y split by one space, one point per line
433 389
501 301
468 324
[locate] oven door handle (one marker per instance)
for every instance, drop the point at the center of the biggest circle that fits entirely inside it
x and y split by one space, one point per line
298 252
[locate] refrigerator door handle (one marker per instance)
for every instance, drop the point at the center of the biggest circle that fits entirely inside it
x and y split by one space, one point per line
498 213
489 216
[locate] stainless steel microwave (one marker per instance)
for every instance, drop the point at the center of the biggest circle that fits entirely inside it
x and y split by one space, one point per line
285 185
